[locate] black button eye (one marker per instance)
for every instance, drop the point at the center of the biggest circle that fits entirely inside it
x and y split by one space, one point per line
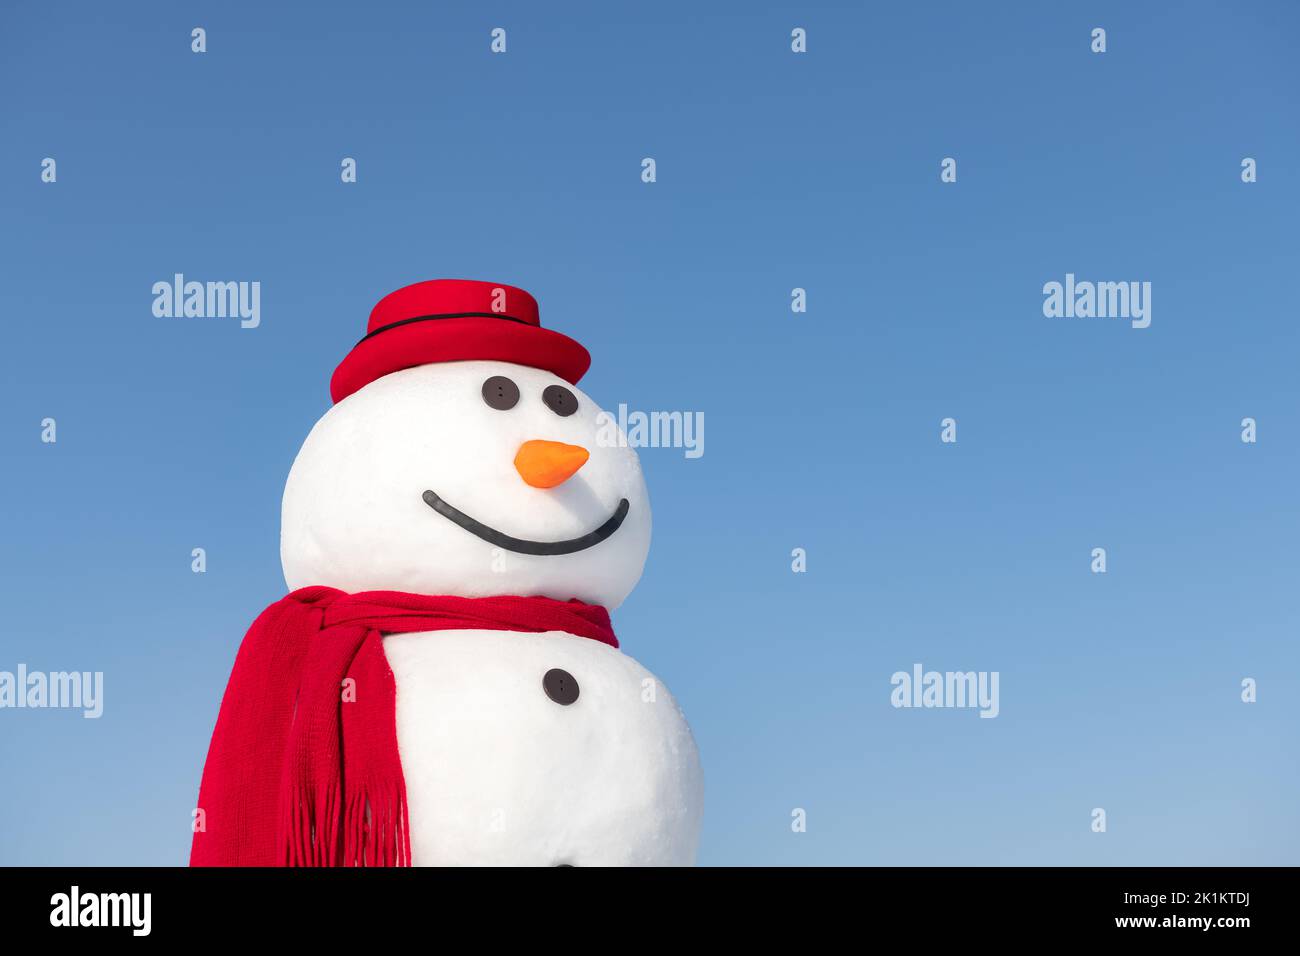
500 393
560 400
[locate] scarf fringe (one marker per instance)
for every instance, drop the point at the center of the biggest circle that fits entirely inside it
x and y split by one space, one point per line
371 830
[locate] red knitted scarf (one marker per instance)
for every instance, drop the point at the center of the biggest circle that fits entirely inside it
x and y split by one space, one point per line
303 767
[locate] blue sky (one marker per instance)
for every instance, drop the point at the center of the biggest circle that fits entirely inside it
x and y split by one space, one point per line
775 171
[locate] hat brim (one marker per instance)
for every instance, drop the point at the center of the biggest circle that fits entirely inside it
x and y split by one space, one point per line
458 340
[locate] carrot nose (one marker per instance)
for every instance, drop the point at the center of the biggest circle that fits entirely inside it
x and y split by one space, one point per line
545 464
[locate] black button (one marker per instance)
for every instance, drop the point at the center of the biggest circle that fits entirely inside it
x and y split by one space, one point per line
560 686
560 400
500 393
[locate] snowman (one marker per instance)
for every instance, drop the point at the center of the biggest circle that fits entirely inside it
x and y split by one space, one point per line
443 685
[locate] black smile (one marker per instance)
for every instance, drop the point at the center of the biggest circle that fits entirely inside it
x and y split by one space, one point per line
521 545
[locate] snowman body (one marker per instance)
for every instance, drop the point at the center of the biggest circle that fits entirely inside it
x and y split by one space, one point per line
498 771
463 478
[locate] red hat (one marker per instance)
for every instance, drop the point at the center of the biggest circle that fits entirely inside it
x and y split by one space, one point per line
452 320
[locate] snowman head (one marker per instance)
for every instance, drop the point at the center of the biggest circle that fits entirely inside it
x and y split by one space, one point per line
473 466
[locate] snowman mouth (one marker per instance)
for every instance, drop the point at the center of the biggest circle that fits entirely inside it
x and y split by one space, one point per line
522 545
